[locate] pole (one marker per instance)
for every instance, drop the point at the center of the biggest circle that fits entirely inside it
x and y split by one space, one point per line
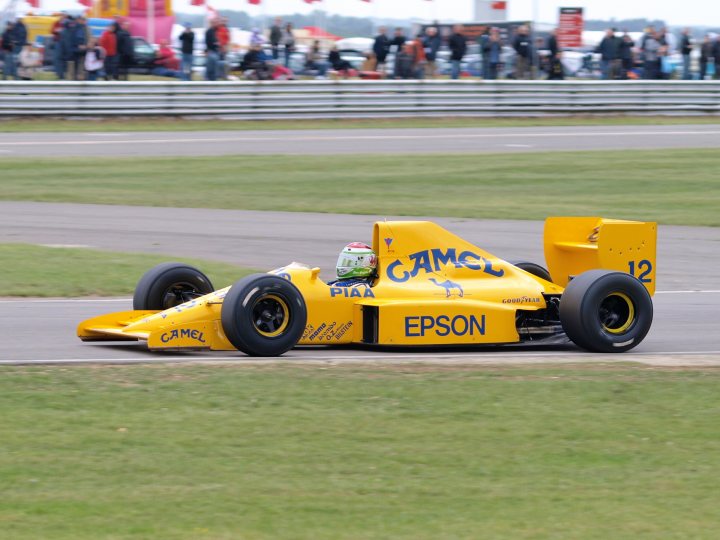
151 20
536 57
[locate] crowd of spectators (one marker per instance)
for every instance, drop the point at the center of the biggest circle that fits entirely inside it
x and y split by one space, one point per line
76 55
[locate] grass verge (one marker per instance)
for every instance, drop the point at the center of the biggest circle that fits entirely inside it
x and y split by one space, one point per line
181 452
670 186
187 124
30 270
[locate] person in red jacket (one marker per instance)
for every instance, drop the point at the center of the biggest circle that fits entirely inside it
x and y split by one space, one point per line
165 57
223 36
108 41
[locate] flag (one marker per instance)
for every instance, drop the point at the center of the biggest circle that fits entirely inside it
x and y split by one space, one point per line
197 2
86 3
311 1
499 5
254 2
34 3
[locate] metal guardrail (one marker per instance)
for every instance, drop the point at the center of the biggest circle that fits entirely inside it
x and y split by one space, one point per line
348 99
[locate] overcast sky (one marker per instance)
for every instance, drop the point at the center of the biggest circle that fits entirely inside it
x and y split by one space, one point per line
675 12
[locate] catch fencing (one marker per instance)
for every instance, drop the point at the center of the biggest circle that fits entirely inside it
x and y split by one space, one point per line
358 99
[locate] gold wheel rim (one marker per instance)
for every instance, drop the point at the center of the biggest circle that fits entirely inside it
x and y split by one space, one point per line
617 313
271 315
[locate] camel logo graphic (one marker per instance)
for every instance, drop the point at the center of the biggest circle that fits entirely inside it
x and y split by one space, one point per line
449 286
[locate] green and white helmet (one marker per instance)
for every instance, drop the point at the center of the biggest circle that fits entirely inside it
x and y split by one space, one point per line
356 260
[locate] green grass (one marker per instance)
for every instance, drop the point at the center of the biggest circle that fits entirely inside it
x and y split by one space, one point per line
30 270
183 124
671 186
416 452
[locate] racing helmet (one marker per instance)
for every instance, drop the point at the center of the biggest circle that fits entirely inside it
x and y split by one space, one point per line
356 260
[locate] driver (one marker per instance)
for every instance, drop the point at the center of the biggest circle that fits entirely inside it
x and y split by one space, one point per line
356 265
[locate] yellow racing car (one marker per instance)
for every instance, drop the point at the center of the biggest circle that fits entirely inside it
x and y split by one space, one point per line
431 288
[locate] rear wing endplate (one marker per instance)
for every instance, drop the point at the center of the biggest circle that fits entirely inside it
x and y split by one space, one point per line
576 244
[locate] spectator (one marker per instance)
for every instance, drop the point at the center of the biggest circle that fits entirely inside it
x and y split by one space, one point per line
405 61
71 39
523 48
419 58
254 64
686 47
370 64
716 57
609 49
83 38
649 32
397 43
18 38
29 62
552 43
94 60
276 35
314 61
212 51
458 48
166 63
651 62
58 61
381 47
256 38
706 52
431 43
626 54
338 64
6 49
126 50
289 42
108 42
492 49
187 50
556 72
223 37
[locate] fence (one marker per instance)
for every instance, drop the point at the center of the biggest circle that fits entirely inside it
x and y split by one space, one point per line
348 99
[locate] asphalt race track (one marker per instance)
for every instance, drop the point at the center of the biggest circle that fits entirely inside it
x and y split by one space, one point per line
357 141
685 331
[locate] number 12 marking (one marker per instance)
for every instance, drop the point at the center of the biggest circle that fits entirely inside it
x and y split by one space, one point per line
644 267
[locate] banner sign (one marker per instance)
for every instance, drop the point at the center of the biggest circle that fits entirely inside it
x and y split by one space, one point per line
570 27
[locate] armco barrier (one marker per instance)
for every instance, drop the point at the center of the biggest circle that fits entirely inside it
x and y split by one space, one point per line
347 99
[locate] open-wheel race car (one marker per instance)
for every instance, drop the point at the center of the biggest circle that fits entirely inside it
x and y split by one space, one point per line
431 288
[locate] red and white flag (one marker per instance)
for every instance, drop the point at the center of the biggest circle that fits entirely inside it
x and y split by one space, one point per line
197 2
86 3
34 3
254 2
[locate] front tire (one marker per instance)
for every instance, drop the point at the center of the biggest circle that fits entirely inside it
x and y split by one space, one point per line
168 285
263 315
606 311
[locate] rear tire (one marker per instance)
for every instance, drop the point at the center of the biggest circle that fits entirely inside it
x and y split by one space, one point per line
263 315
168 285
534 269
606 311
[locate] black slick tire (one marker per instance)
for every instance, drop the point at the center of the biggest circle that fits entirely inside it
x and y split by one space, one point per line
534 269
263 315
168 285
606 311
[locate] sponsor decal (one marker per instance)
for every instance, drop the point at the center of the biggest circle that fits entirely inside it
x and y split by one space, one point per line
342 330
388 241
449 287
444 325
317 332
308 330
352 292
184 333
521 300
433 260
328 333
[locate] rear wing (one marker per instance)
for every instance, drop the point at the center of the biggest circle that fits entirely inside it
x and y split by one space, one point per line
576 244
